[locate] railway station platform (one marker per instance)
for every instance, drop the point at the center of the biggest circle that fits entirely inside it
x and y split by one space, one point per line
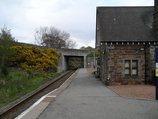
86 97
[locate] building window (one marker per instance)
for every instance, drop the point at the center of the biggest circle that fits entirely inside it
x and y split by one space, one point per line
131 67
134 68
127 67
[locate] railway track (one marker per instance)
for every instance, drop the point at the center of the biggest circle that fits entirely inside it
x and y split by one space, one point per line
25 102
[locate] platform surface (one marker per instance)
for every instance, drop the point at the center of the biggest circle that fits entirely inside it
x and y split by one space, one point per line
88 98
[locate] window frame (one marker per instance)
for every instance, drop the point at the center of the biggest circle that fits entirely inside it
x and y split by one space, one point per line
128 68
131 67
135 68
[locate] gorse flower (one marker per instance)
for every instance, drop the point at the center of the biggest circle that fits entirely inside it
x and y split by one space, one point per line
34 58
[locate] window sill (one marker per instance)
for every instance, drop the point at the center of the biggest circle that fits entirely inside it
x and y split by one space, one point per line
131 77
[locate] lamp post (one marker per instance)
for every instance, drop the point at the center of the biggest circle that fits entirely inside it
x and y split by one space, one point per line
94 59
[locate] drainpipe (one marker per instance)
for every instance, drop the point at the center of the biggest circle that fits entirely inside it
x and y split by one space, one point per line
106 61
145 63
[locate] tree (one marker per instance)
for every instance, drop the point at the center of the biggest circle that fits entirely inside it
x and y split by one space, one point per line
53 38
92 51
83 48
6 41
70 44
87 48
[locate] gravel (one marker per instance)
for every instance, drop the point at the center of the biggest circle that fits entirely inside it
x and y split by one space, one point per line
132 91
90 70
135 91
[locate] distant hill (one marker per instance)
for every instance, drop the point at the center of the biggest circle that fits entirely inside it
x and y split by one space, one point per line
24 44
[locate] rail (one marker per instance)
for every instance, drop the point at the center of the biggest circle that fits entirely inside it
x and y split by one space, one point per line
14 110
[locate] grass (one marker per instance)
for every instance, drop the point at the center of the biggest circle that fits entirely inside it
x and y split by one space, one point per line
90 55
18 84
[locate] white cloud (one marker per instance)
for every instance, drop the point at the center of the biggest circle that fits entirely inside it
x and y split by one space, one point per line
92 43
139 2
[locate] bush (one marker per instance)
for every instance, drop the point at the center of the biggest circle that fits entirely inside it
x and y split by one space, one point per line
92 54
36 59
4 72
29 71
44 75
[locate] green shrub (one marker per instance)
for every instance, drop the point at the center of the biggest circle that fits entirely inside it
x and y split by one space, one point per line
4 72
29 71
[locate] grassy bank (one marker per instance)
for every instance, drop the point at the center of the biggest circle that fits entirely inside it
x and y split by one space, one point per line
17 84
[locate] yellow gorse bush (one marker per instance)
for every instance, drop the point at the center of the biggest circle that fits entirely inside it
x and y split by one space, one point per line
35 58
97 54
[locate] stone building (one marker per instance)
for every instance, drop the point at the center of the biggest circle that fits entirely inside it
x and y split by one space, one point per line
127 44
156 18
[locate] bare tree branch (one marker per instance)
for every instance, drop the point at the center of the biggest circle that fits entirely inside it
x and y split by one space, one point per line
53 38
70 44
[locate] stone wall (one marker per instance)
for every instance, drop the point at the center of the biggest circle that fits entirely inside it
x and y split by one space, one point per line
103 62
112 62
90 62
152 62
156 17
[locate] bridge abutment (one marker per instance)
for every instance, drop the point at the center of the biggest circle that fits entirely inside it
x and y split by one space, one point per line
84 61
66 53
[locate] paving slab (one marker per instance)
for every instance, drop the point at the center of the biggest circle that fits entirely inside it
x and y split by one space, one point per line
33 114
56 92
47 99
88 98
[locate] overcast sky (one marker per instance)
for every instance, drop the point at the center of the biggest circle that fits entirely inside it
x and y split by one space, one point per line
77 17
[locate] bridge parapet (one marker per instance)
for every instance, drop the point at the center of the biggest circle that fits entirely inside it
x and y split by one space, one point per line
73 50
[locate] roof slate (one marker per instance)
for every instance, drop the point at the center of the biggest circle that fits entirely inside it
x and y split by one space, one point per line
125 24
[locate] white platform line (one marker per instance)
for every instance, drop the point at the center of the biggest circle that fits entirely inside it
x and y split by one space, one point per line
30 108
36 103
51 96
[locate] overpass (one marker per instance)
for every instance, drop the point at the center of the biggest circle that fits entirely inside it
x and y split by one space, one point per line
67 53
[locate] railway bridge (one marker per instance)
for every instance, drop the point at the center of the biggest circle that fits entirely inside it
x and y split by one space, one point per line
67 53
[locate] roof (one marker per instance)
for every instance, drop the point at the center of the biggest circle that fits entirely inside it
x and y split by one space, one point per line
125 24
